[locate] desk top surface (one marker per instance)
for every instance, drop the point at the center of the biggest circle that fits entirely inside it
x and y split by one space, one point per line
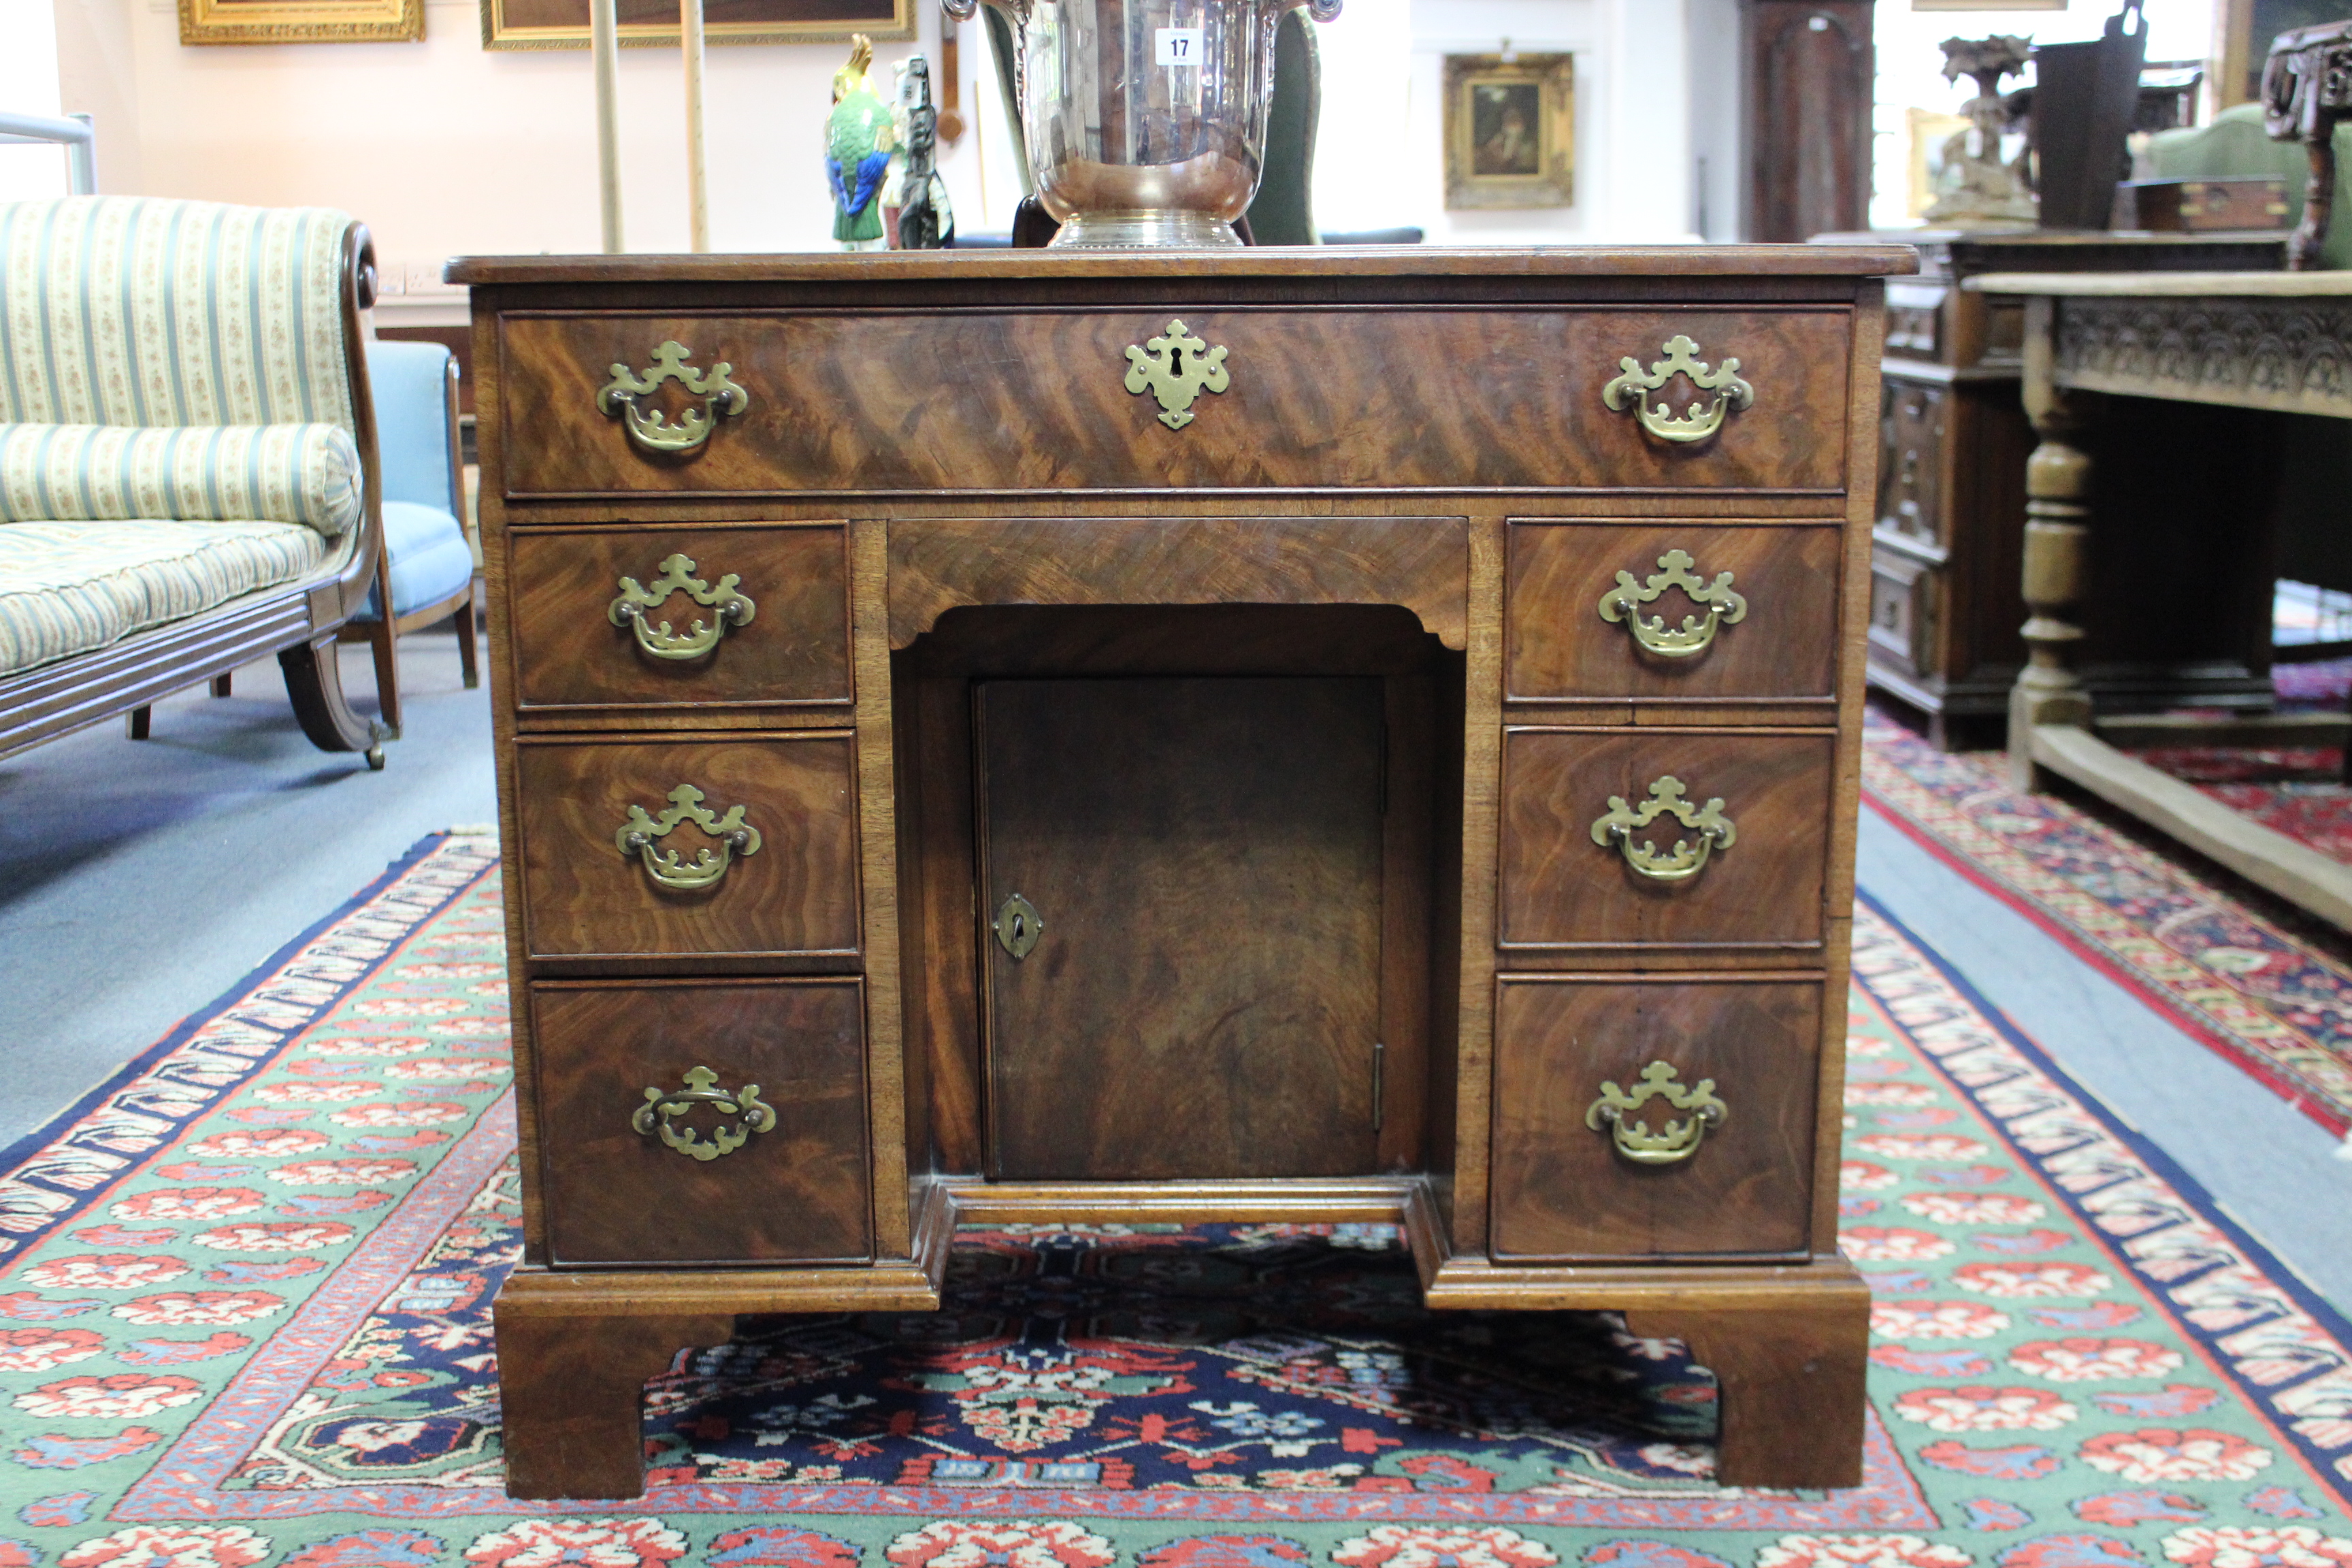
1265 262
2165 285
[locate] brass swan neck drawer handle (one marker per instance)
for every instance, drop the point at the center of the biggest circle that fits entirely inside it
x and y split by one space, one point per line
1703 419
638 600
1621 1114
662 1106
1623 603
649 428
639 837
1176 367
1711 829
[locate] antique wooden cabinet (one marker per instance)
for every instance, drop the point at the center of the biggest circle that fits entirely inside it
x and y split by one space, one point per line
1287 734
1944 601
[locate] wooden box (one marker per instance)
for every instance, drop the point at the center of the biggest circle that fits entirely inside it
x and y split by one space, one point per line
2183 205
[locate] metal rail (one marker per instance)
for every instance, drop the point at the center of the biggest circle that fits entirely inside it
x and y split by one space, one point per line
76 133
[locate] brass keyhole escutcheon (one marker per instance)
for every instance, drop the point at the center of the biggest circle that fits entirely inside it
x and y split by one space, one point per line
1018 925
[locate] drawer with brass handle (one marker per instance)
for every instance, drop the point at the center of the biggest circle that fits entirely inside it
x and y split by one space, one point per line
692 847
1640 1118
1603 612
703 1121
1635 839
1042 400
632 620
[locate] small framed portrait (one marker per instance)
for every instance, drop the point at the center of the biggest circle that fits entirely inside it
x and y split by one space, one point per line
1510 130
301 21
564 24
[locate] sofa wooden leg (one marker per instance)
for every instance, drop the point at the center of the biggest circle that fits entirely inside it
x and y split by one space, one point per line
221 683
572 1389
314 682
384 641
135 723
1789 1386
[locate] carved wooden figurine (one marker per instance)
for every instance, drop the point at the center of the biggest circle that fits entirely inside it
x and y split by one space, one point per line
2307 91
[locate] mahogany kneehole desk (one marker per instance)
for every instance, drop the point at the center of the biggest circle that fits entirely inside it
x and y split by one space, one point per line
1288 735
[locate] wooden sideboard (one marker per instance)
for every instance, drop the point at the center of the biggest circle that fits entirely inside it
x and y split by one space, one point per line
1293 734
1945 609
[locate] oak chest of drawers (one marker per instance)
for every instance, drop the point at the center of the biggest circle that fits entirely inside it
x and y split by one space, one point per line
1286 735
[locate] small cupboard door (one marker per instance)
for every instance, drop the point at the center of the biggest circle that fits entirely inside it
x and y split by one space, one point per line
1586 1164
1199 866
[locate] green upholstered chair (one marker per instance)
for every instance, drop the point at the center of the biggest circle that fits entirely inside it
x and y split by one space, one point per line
187 458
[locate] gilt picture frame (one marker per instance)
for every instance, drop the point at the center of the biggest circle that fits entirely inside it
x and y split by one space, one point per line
564 24
301 21
1510 130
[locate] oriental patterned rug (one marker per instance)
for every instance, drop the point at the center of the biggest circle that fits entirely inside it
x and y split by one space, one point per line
243 1321
2272 994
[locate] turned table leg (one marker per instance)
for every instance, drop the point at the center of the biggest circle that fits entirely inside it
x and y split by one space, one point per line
1789 1385
572 1387
2057 537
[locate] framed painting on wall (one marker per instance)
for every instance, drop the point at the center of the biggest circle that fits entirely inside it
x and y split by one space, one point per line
2247 28
564 24
1510 130
301 21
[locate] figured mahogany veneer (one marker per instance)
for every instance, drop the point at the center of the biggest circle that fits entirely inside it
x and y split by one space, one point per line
794 651
1560 889
1390 398
797 894
1562 1192
795 1192
1291 723
1124 1045
1560 649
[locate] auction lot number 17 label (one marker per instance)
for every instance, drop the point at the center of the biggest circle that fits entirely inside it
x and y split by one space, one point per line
1176 46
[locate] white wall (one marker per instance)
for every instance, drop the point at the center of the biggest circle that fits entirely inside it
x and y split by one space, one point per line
29 85
1911 65
1718 117
1381 160
446 149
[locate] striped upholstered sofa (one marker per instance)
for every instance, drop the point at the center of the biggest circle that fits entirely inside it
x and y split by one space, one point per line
187 458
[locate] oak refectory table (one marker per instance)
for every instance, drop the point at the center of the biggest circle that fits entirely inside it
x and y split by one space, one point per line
2094 345
1293 734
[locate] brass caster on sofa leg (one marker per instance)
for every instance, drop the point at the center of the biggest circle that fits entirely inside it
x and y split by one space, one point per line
375 759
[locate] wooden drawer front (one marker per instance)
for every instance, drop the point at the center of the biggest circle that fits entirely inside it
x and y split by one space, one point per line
998 400
796 1191
797 892
1911 460
568 653
1563 1190
1562 889
1783 644
1902 611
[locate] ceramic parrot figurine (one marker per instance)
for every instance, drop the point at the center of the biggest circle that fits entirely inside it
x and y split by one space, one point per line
858 137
